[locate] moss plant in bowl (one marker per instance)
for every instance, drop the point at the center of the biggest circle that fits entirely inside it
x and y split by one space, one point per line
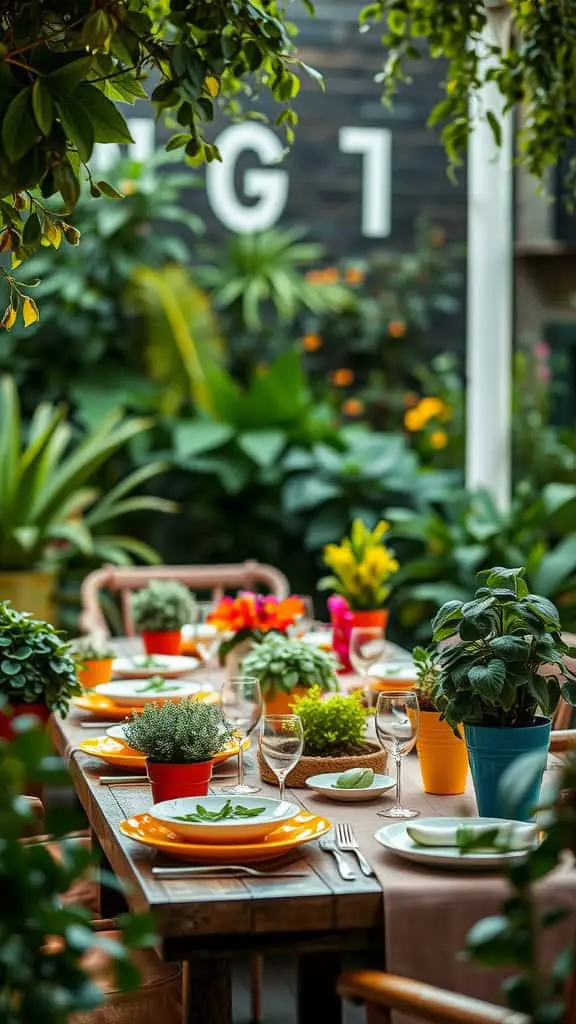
287 669
442 753
160 610
335 740
94 659
179 739
37 670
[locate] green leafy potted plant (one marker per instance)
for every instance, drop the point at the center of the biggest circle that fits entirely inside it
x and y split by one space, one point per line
442 753
334 738
94 659
287 669
179 740
50 510
501 674
37 670
160 610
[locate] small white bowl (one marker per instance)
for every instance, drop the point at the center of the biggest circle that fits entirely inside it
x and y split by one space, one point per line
231 830
136 692
325 785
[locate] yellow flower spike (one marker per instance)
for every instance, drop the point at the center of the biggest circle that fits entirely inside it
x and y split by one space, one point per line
9 318
30 312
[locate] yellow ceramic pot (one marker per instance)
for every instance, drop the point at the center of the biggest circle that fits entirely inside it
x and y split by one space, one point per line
94 671
30 592
443 757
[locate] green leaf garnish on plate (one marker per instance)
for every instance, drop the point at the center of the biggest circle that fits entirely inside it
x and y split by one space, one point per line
157 684
227 812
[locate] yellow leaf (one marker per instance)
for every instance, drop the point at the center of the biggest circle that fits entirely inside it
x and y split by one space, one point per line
9 318
30 312
212 85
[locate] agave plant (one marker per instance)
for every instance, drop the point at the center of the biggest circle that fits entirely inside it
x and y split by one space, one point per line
49 507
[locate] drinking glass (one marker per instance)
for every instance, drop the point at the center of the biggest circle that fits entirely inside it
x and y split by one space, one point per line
368 647
281 745
397 725
241 700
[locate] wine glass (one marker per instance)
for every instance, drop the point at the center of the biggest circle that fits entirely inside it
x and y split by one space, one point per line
241 700
281 745
367 648
397 725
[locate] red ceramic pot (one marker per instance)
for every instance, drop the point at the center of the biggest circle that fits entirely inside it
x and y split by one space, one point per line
377 618
170 781
168 641
39 711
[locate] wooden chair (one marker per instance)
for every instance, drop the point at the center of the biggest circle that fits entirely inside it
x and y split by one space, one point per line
218 579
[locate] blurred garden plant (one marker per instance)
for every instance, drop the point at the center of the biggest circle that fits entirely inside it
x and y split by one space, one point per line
362 566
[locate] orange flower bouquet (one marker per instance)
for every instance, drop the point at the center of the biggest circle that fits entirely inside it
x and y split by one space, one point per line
250 616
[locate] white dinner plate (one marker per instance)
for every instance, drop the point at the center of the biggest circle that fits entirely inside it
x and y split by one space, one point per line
324 784
395 838
231 830
321 638
144 666
138 692
394 673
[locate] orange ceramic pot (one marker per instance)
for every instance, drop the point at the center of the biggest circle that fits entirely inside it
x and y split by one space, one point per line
94 672
167 641
282 703
443 757
378 617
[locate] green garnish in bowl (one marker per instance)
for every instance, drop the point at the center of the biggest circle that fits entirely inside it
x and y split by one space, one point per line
157 684
226 813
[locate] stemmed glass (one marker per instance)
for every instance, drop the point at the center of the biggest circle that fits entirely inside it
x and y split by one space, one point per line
241 700
397 725
281 745
367 648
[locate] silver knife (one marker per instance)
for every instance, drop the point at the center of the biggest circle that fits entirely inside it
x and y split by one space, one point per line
123 780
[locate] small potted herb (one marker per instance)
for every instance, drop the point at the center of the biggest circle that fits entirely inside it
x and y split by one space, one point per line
287 669
179 740
94 659
160 610
334 729
37 671
502 676
442 753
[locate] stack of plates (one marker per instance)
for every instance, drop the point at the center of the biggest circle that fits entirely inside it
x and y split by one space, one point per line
272 829
136 686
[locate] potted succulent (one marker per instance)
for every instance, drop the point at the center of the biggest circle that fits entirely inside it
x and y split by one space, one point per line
501 673
334 729
179 740
245 619
288 668
361 567
94 659
37 670
160 610
442 753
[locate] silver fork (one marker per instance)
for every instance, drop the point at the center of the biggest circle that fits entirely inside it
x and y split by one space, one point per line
329 846
346 841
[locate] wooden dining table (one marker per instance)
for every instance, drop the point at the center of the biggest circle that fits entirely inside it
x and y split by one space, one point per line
406 918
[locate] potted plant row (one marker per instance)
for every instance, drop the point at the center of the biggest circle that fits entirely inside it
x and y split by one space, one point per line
334 728
159 611
179 740
362 566
286 669
502 670
94 659
37 670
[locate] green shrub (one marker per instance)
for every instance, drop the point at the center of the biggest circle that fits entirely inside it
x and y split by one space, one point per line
281 663
333 727
178 732
162 605
36 665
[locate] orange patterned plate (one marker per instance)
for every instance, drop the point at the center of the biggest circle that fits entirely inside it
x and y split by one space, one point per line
117 753
304 828
98 705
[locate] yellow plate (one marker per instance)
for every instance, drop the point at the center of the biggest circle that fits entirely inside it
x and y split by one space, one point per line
98 705
304 828
120 754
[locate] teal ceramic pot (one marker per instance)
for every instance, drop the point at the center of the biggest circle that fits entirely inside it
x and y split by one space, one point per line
491 751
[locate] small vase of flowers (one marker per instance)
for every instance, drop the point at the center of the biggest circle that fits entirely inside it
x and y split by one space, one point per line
246 619
361 565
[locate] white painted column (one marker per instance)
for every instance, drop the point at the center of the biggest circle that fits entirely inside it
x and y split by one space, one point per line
490 291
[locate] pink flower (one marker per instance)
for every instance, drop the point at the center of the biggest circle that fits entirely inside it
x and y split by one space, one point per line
542 350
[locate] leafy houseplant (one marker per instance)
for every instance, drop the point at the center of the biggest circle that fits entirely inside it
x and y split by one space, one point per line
37 670
245 619
287 669
94 660
505 663
334 737
49 508
160 610
179 740
442 753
